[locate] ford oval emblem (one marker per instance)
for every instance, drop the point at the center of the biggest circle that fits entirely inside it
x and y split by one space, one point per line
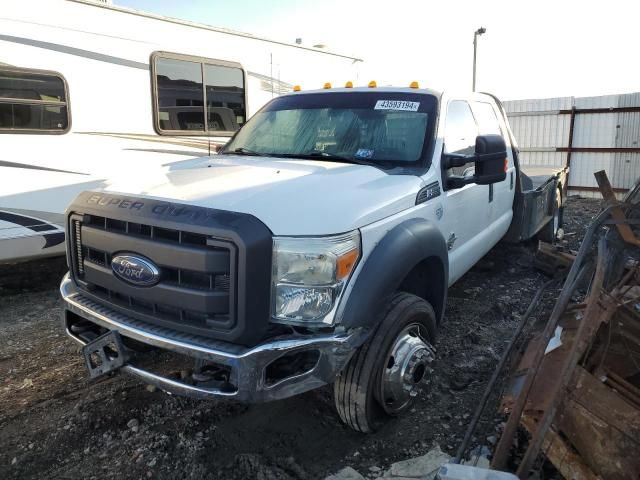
136 270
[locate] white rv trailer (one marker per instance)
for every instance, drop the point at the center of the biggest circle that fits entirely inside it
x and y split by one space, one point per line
90 92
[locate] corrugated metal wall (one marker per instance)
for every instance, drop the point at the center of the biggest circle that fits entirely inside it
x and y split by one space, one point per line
542 127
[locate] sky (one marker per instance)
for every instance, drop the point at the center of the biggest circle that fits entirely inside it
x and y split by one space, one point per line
531 49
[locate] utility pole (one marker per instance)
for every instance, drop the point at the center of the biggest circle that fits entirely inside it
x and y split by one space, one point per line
476 34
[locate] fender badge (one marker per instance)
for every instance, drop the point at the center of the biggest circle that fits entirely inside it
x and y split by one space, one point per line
452 239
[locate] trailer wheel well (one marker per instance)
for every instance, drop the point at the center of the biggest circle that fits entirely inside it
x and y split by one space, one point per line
427 280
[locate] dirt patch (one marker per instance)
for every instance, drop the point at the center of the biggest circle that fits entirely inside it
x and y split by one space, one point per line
54 423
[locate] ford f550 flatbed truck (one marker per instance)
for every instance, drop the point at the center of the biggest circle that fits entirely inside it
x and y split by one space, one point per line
317 247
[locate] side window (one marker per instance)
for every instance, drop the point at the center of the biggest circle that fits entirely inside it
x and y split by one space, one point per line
460 134
487 120
197 96
33 101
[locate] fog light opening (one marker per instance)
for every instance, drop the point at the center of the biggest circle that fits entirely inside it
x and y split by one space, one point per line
291 365
212 375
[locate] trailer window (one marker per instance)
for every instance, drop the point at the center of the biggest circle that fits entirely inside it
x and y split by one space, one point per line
197 96
180 101
225 94
33 101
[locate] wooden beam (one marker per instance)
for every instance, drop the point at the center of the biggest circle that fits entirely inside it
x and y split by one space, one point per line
561 454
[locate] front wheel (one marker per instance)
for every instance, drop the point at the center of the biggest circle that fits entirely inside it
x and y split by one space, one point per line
385 374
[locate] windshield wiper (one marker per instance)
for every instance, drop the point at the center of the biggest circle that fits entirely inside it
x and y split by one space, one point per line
246 151
331 157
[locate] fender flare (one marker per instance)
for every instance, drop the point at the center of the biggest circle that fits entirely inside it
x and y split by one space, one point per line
404 247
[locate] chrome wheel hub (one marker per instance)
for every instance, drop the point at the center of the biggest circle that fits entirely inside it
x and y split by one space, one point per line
405 369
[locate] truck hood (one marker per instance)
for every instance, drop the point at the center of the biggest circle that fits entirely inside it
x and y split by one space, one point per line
292 197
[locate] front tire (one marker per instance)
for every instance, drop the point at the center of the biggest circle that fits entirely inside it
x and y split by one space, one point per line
383 377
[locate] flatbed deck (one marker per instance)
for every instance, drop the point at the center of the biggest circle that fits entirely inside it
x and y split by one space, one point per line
540 175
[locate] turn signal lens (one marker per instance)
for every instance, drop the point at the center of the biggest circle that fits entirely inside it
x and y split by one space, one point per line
506 164
345 264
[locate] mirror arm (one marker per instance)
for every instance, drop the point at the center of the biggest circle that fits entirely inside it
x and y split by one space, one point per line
457 181
458 160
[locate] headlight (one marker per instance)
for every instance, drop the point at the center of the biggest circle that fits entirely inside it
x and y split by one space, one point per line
309 275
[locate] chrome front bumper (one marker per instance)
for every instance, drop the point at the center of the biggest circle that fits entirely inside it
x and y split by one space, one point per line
247 365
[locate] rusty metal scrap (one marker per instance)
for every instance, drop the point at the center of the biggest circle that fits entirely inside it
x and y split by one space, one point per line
617 213
580 403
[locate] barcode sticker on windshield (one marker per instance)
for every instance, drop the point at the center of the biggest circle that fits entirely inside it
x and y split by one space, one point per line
397 105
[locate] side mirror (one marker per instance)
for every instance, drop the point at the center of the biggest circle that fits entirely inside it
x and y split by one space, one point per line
490 162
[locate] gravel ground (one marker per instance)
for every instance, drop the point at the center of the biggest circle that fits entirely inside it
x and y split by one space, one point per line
55 423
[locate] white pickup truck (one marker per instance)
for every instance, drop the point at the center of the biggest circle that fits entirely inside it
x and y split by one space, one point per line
316 248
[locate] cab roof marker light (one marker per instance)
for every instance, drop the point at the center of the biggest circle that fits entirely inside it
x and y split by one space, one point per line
373 84
296 88
414 84
327 85
349 84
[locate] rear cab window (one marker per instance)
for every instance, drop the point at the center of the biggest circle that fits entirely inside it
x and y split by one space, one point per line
197 96
488 123
33 101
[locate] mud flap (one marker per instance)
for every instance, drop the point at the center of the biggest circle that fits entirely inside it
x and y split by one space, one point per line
105 354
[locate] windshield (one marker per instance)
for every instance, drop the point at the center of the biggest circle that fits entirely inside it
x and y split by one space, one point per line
377 127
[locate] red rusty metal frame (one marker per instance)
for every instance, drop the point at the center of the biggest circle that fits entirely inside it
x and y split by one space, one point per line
571 127
599 149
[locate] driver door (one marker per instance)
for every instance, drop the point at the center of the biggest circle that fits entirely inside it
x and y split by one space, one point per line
466 212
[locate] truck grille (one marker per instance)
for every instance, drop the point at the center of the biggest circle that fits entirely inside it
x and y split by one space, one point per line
197 288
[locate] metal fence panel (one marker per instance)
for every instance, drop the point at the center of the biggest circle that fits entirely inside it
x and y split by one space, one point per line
542 129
